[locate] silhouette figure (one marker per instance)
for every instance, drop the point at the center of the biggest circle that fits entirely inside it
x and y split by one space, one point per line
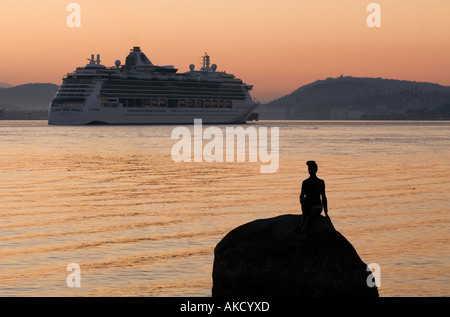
312 198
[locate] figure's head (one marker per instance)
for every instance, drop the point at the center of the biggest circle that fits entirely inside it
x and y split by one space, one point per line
312 167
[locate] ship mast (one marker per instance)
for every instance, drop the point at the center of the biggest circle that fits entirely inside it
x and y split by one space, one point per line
206 61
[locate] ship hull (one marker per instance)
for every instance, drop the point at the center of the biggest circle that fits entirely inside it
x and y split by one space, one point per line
147 116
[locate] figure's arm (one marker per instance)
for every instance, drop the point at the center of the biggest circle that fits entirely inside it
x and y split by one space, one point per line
324 200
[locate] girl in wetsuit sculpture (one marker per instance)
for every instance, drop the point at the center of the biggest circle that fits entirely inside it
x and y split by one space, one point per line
312 198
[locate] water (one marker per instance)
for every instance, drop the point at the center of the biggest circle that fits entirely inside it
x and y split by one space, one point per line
111 199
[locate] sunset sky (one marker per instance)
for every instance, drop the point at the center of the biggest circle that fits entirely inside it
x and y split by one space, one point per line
276 45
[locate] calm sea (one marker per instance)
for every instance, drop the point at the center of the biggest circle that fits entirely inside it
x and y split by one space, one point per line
111 199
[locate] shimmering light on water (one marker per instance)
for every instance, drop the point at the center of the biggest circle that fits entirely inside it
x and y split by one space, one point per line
111 199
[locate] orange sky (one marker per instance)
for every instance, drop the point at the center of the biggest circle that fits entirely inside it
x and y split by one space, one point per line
276 45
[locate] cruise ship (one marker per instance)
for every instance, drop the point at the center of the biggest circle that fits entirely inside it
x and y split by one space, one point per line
140 92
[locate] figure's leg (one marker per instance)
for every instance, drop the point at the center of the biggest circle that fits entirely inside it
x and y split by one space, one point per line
317 210
306 224
304 216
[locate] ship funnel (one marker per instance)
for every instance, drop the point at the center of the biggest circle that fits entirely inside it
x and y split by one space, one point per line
93 63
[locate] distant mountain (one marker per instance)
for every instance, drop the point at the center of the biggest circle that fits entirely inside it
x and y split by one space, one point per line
30 101
27 97
361 98
5 85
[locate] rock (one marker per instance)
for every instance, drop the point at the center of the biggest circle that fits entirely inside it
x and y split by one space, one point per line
266 258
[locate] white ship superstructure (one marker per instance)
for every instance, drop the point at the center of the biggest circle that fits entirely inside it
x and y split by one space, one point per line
142 93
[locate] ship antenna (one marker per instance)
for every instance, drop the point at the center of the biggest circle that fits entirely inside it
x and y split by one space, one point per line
206 61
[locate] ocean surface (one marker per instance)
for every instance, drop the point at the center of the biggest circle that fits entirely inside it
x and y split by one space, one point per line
112 200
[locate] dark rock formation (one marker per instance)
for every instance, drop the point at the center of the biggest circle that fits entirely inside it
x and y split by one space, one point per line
265 258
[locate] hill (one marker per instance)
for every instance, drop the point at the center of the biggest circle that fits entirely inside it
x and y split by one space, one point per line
29 101
351 98
5 85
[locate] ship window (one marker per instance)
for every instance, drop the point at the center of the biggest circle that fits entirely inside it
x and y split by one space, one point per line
214 103
221 104
229 104
207 103
182 103
173 103
199 103
190 103
162 102
155 102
